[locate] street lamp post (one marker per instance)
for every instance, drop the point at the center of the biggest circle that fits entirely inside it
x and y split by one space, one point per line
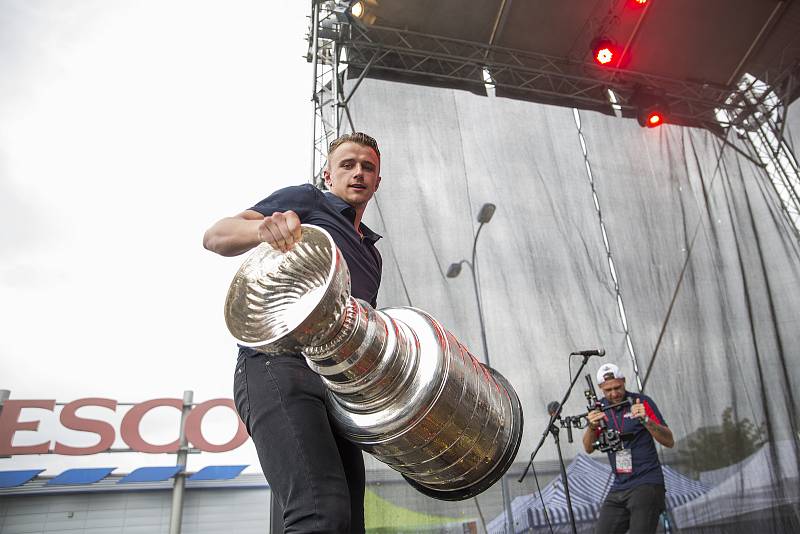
484 216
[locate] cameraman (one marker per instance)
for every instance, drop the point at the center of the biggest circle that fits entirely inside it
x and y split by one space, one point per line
636 498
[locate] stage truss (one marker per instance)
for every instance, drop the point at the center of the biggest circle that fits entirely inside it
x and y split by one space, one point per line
341 49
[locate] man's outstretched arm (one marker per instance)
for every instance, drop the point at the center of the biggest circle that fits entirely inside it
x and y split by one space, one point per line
232 236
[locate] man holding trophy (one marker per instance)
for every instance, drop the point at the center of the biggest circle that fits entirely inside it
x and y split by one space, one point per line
321 373
316 474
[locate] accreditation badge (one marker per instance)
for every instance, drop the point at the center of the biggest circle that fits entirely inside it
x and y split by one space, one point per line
624 462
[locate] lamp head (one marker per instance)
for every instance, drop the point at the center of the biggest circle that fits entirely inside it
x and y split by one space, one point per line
652 108
485 215
344 11
357 9
454 270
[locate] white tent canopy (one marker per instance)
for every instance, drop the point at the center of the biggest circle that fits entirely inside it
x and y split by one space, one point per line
589 482
765 480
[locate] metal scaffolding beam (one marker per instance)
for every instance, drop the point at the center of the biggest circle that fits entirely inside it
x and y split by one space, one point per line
762 131
339 46
396 53
329 30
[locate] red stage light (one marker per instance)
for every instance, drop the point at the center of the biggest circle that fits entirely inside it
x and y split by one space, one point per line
603 51
651 105
640 2
604 55
654 118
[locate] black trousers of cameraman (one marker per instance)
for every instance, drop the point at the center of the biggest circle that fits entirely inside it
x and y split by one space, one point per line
635 510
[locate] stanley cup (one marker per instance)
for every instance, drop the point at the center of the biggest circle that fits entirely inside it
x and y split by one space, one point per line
402 387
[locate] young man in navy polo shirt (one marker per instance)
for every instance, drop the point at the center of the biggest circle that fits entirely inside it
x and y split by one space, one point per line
316 475
636 498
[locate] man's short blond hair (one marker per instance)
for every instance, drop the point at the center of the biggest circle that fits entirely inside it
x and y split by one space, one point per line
355 137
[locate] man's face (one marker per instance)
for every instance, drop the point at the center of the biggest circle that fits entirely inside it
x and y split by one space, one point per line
614 390
353 173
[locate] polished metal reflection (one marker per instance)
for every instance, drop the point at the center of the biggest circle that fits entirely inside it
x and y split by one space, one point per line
281 302
402 387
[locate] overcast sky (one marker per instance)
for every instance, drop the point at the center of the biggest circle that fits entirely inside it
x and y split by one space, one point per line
126 129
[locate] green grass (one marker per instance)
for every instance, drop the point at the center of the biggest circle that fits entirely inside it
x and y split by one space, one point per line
382 516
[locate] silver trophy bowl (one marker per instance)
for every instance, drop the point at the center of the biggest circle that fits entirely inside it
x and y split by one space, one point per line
402 387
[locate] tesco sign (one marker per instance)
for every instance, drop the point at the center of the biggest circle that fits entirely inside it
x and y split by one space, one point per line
106 433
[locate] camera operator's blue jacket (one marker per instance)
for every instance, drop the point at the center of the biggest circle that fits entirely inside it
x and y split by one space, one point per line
637 439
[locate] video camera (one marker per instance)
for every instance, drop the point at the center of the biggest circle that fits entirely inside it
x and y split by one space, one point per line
609 438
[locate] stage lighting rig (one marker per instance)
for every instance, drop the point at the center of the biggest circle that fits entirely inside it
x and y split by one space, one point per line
604 51
653 118
361 12
335 17
346 10
652 109
357 9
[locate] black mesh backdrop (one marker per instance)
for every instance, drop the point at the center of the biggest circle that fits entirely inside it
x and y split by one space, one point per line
708 271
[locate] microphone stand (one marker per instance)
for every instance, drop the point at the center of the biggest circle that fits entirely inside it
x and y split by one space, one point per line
552 428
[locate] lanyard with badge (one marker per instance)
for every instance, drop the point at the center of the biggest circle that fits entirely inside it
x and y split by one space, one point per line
624 459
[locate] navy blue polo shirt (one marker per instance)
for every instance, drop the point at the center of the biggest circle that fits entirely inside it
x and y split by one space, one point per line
330 212
646 466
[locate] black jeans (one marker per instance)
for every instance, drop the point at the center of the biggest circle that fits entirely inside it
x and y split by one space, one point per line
316 475
635 510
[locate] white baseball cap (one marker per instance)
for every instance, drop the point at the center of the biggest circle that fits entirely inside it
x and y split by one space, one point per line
608 369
